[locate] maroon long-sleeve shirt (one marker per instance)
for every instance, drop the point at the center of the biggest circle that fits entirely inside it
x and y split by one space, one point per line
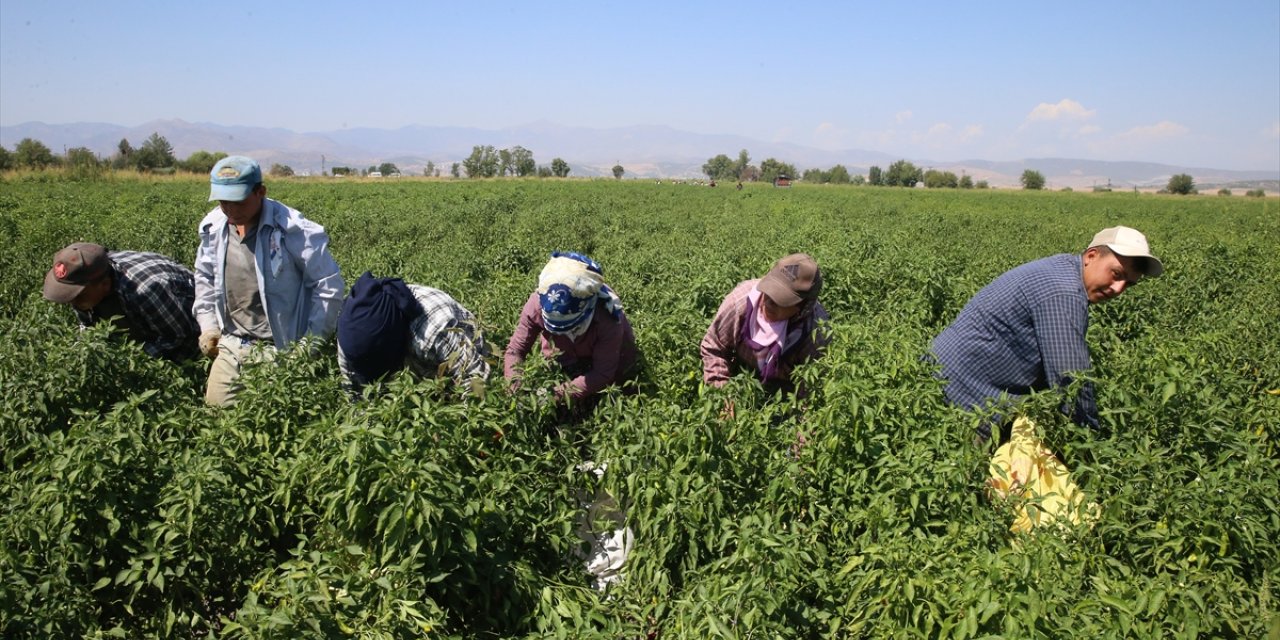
608 345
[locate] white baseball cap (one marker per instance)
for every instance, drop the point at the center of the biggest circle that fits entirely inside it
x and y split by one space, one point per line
1130 243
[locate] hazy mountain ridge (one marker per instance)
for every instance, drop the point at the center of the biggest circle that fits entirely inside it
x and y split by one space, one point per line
647 151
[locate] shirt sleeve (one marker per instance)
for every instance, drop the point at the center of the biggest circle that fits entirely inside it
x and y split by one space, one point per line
521 343
1060 323
206 296
166 299
720 344
322 279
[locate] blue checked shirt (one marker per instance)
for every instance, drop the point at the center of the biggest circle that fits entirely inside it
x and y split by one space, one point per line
155 294
1025 331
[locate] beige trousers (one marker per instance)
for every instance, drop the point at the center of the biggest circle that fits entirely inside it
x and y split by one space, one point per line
233 353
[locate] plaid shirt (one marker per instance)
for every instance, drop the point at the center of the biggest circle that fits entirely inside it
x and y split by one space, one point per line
156 294
443 340
1025 331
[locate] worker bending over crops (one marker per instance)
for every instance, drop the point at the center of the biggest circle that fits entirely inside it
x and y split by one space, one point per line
144 295
264 277
578 320
1026 330
768 325
386 324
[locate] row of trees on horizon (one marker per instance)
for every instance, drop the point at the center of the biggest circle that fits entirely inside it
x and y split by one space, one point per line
156 156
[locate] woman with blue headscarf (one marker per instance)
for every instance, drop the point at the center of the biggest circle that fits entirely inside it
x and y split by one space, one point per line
579 321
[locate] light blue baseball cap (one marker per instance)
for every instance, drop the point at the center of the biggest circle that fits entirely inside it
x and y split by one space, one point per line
233 178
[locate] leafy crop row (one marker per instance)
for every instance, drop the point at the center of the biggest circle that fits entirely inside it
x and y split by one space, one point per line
135 511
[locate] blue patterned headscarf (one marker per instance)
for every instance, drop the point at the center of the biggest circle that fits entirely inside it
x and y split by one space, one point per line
569 288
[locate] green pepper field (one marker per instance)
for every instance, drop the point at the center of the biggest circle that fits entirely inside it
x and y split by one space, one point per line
134 511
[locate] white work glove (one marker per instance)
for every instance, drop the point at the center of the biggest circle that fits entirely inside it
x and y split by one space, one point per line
209 343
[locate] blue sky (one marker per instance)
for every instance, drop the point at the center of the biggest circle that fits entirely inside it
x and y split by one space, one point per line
1191 83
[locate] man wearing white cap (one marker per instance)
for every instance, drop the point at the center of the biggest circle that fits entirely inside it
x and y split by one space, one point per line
264 276
1026 330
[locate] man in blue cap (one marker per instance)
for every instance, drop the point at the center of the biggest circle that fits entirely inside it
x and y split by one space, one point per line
264 276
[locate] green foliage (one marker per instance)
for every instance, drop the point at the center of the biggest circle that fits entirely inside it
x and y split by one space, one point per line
771 168
836 175
482 163
981 184
84 164
1255 193
1181 184
201 162
618 171
1032 180
135 511
155 153
6 159
30 153
741 164
839 175
280 170
559 168
516 161
815 176
722 167
1224 192
719 168
387 169
966 182
875 177
902 174
934 179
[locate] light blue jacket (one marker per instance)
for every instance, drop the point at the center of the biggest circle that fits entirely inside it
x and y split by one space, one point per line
300 283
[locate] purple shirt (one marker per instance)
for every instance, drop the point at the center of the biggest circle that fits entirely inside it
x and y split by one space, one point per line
608 345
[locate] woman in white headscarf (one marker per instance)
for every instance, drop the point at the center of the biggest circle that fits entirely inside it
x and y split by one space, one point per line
579 322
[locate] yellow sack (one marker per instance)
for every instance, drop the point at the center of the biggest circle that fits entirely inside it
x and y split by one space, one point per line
1024 469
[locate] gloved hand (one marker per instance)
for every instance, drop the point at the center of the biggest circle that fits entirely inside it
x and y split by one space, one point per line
209 343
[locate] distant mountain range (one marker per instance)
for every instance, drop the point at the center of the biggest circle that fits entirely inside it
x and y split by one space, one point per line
645 151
